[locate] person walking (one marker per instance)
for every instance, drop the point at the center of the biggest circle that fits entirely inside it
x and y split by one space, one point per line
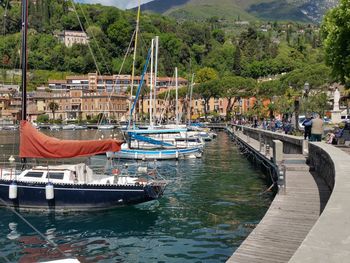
307 127
316 129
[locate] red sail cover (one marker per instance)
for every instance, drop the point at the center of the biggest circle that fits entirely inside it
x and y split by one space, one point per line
34 144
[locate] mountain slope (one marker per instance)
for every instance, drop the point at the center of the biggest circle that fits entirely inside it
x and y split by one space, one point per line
297 10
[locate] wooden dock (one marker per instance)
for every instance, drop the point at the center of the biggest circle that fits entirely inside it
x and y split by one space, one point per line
290 216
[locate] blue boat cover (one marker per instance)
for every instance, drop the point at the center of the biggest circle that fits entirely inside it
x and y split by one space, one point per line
149 140
156 131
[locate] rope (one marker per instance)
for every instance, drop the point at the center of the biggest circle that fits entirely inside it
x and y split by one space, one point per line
88 44
53 244
94 38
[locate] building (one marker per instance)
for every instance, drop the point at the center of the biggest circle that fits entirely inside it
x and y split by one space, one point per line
82 105
109 83
72 37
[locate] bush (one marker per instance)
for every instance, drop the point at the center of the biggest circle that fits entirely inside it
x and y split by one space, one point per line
43 118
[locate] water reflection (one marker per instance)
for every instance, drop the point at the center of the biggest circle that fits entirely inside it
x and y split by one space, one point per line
209 207
78 234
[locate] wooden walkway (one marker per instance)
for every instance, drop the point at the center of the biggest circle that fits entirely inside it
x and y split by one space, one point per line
289 218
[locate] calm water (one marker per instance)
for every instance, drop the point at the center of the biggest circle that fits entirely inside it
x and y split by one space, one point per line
208 209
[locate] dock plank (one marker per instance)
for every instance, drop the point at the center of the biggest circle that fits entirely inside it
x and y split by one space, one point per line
290 216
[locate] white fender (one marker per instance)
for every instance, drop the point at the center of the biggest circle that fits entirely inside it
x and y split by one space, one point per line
13 191
49 191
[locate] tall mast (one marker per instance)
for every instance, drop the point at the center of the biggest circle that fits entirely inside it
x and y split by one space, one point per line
24 58
191 91
151 87
155 77
176 99
134 57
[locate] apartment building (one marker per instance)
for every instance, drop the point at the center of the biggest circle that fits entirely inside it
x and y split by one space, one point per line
111 83
81 105
69 37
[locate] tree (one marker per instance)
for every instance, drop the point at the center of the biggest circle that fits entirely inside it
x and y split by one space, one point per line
232 88
53 106
207 90
270 90
336 31
237 68
206 74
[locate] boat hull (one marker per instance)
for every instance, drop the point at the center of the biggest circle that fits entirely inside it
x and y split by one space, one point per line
70 197
166 154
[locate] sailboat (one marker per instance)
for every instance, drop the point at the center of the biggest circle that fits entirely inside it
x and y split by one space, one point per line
149 144
73 187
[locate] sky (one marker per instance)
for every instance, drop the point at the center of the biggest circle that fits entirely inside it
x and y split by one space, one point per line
123 4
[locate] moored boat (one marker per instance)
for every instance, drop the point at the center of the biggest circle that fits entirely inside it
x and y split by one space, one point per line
70 187
105 127
156 154
77 188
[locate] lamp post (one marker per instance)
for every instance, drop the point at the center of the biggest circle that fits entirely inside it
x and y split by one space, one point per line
306 89
306 95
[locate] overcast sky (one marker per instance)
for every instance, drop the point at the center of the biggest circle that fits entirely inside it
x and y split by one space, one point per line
124 4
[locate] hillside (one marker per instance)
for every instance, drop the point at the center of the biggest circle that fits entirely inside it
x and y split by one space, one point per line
295 10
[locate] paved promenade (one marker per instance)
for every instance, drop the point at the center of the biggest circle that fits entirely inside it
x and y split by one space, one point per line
344 148
290 217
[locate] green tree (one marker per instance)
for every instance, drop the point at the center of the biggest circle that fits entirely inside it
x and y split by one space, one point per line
336 32
233 88
53 106
206 74
237 68
207 90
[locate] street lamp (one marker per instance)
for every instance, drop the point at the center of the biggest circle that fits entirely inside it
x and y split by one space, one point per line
306 89
306 95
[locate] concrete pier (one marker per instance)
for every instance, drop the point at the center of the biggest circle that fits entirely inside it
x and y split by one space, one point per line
311 213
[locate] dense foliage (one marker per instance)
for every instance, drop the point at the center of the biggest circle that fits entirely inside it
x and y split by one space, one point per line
336 30
227 61
188 45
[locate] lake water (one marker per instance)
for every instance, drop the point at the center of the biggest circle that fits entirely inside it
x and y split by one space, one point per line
208 209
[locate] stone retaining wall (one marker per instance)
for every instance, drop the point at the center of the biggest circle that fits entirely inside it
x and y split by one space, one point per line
291 144
329 239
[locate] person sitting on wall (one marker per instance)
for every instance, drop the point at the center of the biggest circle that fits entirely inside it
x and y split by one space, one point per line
316 129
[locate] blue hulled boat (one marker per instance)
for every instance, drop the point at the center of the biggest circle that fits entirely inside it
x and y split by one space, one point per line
68 187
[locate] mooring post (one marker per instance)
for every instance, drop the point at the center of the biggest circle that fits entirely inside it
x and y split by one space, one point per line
267 150
305 147
261 144
282 180
277 151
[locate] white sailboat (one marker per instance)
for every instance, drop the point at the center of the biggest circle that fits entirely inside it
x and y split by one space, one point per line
73 187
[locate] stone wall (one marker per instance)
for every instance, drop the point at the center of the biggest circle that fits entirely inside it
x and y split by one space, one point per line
322 163
329 239
291 144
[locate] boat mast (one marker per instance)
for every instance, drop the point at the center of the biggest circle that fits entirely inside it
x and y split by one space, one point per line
176 99
151 87
24 58
191 91
155 77
134 57
24 65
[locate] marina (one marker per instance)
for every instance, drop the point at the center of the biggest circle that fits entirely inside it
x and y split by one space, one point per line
162 140
207 210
